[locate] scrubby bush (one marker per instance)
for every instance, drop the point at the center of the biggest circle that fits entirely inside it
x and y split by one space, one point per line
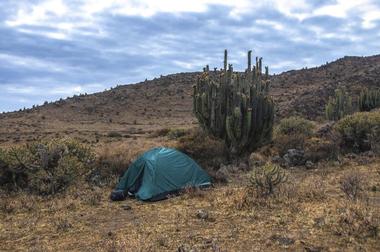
110 164
357 220
291 133
352 185
358 129
208 151
322 148
294 126
45 167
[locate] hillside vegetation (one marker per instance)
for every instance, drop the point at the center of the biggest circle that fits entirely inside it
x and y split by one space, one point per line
315 186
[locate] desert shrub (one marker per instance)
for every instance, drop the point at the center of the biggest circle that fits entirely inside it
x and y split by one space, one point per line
45 167
208 151
291 133
294 126
267 178
324 148
352 185
357 129
356 220
111 163
113 159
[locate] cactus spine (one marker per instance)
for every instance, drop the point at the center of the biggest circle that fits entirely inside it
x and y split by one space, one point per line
369 99
235 106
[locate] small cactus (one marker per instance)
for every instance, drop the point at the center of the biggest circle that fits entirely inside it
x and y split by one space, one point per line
267 178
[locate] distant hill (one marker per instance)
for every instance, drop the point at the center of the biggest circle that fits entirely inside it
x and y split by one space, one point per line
166 102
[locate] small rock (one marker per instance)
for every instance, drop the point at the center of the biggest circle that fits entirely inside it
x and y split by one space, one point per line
369 154
202 214
222 174
278 160
243 166
282 240
351 156
184 248
233 168
309 164
294 157
126 207
313 249
319 222
325 129
163 242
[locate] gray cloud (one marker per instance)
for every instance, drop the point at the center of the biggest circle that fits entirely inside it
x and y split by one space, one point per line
69 47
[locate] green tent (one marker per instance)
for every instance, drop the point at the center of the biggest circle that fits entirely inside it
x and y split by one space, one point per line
159 172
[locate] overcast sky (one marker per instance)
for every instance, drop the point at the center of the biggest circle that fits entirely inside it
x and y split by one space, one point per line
57 48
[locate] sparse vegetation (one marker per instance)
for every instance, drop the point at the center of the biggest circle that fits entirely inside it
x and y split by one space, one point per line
356 220
326 208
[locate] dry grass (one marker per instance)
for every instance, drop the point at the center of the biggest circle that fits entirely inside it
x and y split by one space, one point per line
308 212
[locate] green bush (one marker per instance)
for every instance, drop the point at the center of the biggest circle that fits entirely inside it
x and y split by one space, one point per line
291 133
358 130
44 167
294 126
208 151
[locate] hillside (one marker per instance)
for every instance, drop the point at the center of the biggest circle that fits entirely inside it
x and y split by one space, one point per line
56 194
163 102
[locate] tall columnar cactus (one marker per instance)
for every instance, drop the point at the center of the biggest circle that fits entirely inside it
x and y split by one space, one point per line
369 99
235 106
338 106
